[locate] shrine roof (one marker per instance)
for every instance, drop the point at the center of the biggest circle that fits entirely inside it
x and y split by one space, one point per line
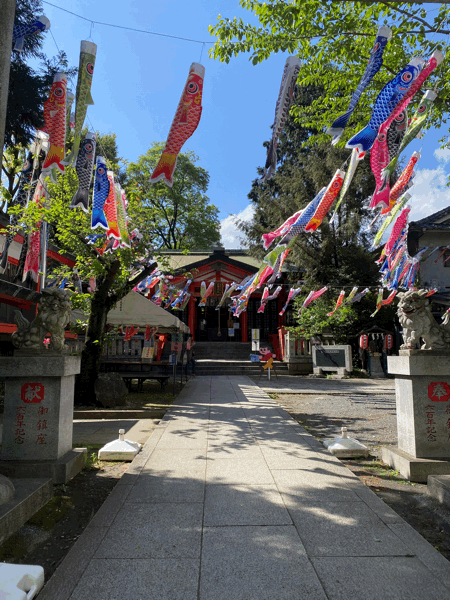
179 261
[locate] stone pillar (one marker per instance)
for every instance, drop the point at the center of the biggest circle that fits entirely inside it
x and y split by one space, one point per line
422 390
38 417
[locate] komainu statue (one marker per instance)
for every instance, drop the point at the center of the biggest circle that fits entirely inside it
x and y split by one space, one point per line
53 315
415 317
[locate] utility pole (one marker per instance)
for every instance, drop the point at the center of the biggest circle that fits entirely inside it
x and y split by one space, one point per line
7 11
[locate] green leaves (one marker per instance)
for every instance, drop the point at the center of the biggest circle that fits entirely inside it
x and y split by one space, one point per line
334 40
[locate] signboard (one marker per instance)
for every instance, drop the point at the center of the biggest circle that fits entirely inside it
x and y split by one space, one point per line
331 358
147 352
173 359
235 325
255 345
255 334
230 332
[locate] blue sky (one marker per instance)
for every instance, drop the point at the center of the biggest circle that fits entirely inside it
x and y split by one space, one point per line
138 81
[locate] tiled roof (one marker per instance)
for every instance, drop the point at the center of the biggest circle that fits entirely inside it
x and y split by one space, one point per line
430 221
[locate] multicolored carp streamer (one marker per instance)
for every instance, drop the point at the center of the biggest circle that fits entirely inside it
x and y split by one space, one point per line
55 126
302 221
357 297
414 127
110 208
101 193
88 52
338 303
385 103
185 122
386 145
268 238
354 160
384 34
266 298
21 31
402 182
382 193
34 238
206 293
311 297
185 301
84 170
325 204
292 294
121 217
284 103
229 289
389 219
381 302
277 267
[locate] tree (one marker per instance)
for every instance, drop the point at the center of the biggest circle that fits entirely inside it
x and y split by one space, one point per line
334 40
335 255
179 217
117 273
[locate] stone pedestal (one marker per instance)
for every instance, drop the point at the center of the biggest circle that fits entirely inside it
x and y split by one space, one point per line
422 390
38 417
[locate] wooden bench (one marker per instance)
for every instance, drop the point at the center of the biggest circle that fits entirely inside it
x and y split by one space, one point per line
130 370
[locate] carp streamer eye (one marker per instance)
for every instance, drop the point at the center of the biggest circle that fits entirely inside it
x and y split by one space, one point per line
375 48
381 137
90 68
406 77
59 92
89 147
336 184
422 107
100 170
192 88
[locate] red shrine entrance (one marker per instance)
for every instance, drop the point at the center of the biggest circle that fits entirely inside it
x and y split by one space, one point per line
211 324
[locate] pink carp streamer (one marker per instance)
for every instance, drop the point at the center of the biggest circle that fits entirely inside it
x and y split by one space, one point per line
268 238
266 298
311 297
292 294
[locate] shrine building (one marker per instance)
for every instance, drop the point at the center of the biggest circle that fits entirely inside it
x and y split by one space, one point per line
223 266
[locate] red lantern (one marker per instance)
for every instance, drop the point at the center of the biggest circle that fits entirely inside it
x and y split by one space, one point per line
388 341
364 341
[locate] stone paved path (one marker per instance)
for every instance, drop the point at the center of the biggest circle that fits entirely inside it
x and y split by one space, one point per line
232 499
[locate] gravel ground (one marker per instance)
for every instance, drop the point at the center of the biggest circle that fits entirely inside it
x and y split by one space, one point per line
370 417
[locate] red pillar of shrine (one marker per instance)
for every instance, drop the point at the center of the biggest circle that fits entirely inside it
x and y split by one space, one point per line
191 316
244 325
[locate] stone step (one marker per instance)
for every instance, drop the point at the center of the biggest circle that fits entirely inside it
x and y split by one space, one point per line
438 486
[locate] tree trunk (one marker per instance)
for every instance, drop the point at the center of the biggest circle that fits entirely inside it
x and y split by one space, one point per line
92 352
102 302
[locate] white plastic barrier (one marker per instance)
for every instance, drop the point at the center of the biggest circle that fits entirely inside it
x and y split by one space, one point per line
20 582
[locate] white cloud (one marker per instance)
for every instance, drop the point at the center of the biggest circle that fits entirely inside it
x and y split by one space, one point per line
430 193
442 154
232 238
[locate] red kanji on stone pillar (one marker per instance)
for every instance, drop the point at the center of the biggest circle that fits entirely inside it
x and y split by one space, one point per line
32 393
439 391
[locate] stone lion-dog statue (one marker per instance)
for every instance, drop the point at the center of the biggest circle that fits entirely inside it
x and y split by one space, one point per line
415 317
53 315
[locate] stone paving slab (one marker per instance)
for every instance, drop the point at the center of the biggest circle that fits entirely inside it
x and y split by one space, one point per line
231 499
